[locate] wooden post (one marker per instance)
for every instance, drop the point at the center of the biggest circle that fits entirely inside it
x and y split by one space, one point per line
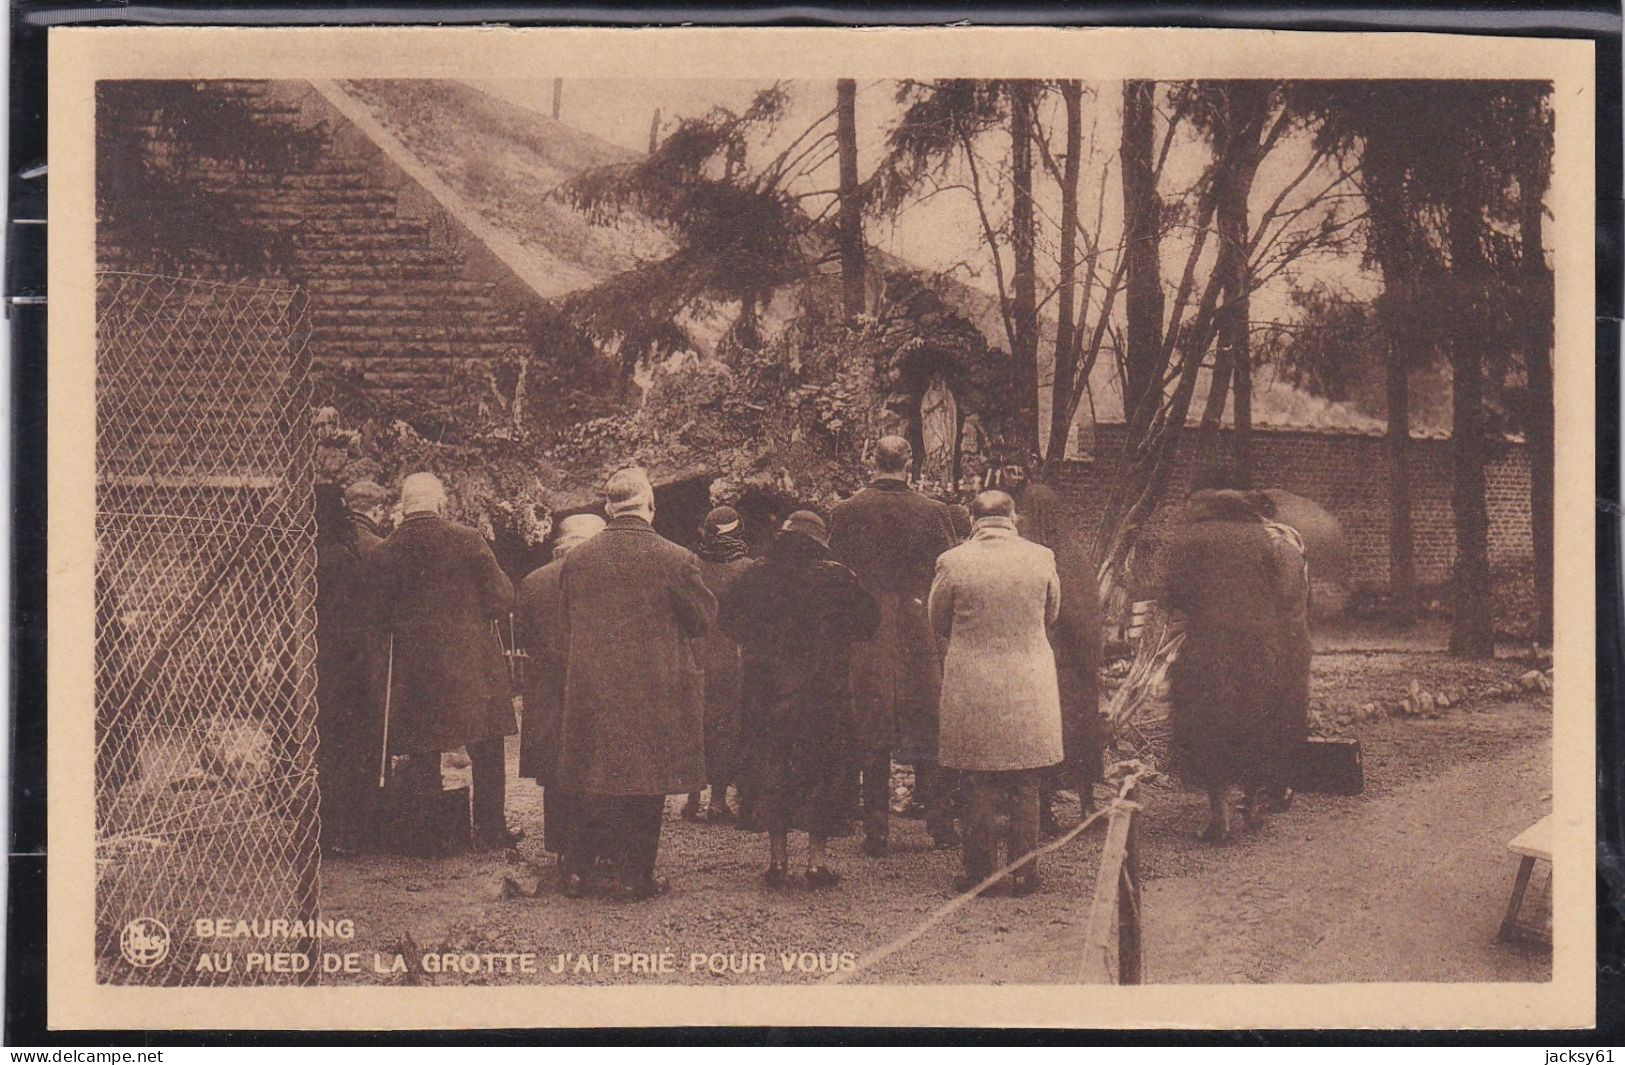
1097 967
558 97
654 132
1128 904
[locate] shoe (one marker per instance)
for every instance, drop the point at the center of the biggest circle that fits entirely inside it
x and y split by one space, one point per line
647 888
1281 801
572 885
820 877
776 876
875 846
1023 884
497 839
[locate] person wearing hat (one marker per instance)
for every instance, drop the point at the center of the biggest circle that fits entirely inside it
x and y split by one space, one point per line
723 555
799 612
633 727
367 503
890 536
440 587
991 601
349 663
540 627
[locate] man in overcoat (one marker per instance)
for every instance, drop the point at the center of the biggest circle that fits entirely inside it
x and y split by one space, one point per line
539 619
634 694
890 536
439 589
367 502
1076 636
991 601
349 658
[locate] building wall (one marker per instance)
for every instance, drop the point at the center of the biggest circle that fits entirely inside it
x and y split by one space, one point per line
1348 475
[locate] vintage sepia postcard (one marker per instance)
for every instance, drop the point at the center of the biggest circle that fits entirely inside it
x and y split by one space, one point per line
602 527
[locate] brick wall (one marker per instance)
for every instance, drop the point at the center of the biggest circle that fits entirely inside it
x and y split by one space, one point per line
1348 475
392 302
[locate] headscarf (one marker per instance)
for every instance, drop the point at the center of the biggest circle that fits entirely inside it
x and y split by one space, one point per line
717 540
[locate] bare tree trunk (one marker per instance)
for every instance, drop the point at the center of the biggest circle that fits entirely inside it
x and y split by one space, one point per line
1472 632
851 209
1402 602
1541 430
1142 232
558 97
1384 170
1024 298
1066 352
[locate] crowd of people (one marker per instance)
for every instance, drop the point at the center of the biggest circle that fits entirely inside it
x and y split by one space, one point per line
961 640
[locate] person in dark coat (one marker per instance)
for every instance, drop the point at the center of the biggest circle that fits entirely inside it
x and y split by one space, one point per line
348 654
1077 651
1038 508
634 695
439 590
723 556
800 611
890 536
366 503
540 629
1078 640
1292 567
1225 574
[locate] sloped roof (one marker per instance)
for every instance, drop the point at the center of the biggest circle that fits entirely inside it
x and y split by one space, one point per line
506 160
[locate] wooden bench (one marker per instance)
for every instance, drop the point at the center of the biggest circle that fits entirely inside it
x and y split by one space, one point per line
1531 845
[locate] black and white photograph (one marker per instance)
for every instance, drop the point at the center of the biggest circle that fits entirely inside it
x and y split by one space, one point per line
884 531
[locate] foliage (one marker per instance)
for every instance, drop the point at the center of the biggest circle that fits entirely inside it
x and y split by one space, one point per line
1332 348
738 234
147 204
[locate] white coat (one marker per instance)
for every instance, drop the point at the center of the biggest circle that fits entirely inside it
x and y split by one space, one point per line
990 601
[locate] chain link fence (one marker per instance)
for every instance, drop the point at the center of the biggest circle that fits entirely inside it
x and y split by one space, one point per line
206 798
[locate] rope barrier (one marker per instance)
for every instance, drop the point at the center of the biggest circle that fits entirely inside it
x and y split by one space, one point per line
958 902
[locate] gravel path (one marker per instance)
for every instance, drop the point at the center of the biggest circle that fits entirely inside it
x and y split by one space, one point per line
1403 882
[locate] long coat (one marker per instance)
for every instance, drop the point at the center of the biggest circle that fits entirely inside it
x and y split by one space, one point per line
719 657
439 589
992 599
539 629
1224 572
890 537
348 650
1076 638
634 695
797 612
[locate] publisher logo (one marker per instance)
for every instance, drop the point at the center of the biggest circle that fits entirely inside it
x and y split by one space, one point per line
144 942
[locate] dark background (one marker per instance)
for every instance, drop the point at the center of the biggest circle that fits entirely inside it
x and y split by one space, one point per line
25 277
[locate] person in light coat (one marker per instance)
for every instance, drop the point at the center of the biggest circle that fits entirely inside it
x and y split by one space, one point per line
1000 712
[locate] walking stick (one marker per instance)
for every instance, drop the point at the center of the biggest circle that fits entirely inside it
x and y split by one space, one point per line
389 687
